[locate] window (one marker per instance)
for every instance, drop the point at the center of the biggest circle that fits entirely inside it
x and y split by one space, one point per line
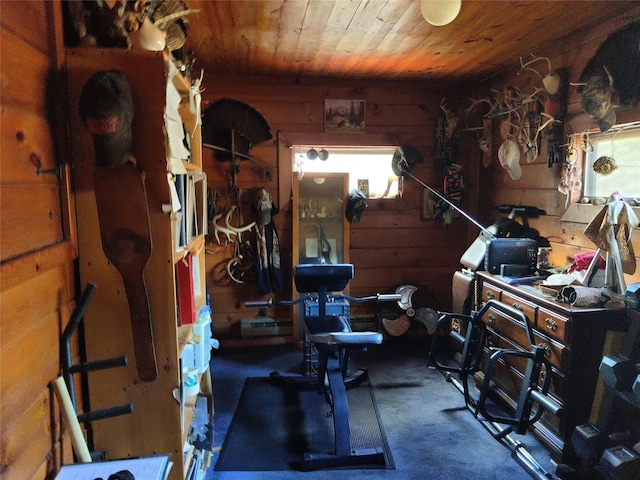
619 149
368 167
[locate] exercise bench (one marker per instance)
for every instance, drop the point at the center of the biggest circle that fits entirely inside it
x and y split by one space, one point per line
333 338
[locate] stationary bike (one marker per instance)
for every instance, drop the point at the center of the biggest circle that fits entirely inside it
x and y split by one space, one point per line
333 338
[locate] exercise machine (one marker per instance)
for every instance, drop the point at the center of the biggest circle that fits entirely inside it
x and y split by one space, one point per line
533 399
69 369
333 338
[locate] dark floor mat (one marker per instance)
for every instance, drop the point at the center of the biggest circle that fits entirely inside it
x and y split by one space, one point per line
273 427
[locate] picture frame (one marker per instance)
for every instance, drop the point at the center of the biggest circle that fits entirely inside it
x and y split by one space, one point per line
344 116
427 205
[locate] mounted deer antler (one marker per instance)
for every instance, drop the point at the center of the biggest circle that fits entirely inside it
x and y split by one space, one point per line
476 102
551 81
512 100
218 229
236 230
451 120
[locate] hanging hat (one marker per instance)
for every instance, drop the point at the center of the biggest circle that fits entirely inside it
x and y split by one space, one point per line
264 207
509 156
356 203
106 109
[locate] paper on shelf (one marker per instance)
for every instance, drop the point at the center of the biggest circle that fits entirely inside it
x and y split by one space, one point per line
153 467
175 132
175 198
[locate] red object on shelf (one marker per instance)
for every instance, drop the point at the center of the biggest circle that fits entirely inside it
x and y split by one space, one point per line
184 281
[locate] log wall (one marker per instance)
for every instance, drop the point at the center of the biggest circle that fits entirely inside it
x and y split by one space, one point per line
391 244
538 185
37 248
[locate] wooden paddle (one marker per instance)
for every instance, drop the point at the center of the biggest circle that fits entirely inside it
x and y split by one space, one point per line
126 241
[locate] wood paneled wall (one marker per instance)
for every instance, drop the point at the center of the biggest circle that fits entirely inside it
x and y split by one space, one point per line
538 185
391 245
37 250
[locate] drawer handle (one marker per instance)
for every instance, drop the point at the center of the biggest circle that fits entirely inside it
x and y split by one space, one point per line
517 306
546 347
456 326
490 295
551 324
492 319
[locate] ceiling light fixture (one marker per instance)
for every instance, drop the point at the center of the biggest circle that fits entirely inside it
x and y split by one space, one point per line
440 12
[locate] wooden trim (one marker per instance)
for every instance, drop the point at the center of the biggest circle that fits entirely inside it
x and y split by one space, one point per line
584 213
59 127
339 139
284 171
55 33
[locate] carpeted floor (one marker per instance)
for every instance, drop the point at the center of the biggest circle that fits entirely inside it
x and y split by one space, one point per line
428 436
287 424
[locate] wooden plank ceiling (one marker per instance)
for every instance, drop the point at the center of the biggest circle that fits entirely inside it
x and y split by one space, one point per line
382 39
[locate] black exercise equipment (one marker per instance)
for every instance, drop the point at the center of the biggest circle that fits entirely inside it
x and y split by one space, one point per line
533 398
589 443
69 369
620 463
333 338
608 448
618 371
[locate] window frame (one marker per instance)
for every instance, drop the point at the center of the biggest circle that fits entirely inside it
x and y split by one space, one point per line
578 144
299 149
581 209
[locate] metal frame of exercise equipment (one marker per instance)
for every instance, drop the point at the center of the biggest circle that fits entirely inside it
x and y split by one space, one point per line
333 338
469 363
470 360
69 369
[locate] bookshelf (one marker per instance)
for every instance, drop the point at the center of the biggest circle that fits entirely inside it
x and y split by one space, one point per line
160 419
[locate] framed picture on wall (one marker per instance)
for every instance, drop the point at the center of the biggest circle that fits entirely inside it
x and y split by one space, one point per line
427 205
344 116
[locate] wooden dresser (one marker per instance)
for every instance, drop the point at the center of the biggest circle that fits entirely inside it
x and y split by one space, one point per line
574 337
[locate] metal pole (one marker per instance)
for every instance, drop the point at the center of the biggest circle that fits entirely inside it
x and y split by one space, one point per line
449 202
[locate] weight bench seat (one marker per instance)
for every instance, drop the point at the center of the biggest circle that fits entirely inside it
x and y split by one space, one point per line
336 330
333 337
346 338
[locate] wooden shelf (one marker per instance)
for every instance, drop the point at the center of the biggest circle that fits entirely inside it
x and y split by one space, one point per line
156 422
184 335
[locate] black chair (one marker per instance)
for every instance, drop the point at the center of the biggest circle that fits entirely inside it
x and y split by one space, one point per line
333 338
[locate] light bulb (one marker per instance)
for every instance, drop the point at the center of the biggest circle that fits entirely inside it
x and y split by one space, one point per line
440 12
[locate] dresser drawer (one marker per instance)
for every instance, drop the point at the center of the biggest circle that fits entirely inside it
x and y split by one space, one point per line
510 328
520 364
529 309
490 292
554 325
557 353
507 326
507 382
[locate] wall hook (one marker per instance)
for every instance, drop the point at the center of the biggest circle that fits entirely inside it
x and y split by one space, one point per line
35 160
